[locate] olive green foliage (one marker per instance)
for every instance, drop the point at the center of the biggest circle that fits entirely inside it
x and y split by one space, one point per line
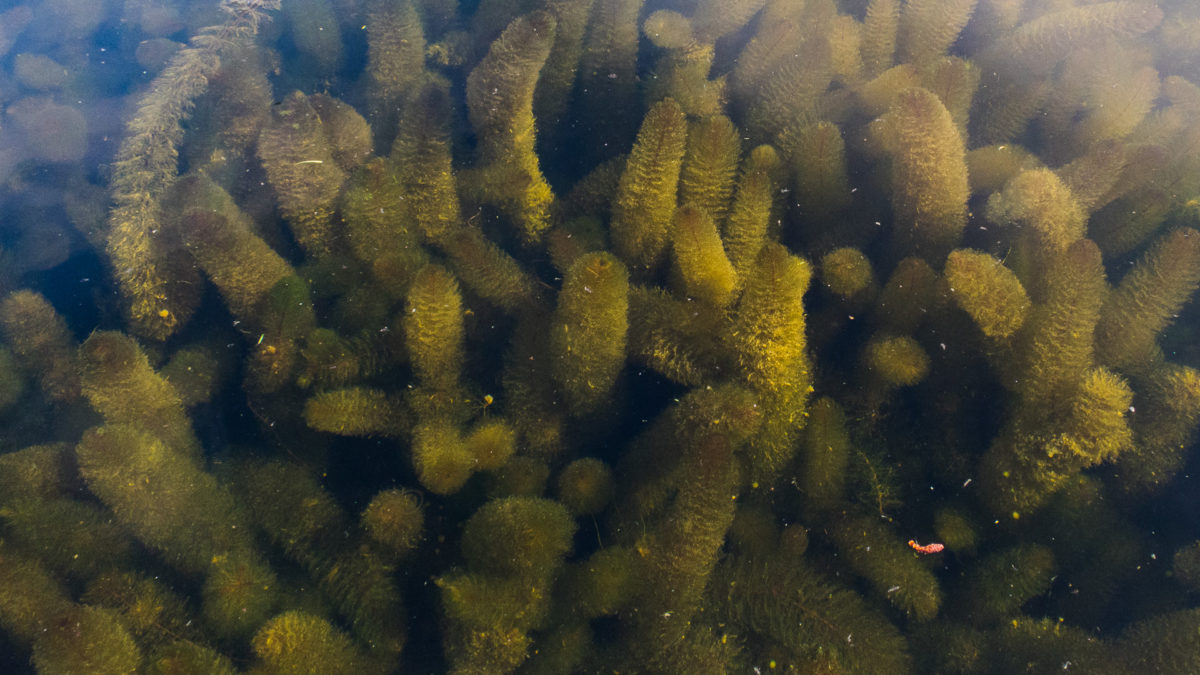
879 556
988 291
812 619
493 326
645 200
929 172
585 486
301 518
120 385
999 584
158 289
40 336
394 520
513 549
589 327
500 103
847 272
86 640
297 642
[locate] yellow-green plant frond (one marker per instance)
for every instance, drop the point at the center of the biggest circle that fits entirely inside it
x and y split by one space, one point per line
701 266
1165 424
997 586
589 330
159 288
745 231
489 271
880 27
897 360
988 291
1056 344
954 80
357 411
826 453
1039 44
767 330
500 105
929 173
421 158
876 553
710 162
40 336
297 155
645 201
714 19
1050 220
822 178
1147 299
811 620
433 327
118 381
395 57
297 641
847 272
929 27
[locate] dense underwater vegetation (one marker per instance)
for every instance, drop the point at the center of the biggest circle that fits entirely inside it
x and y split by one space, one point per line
684 336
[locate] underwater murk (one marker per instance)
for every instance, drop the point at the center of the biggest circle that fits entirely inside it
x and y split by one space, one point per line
599 336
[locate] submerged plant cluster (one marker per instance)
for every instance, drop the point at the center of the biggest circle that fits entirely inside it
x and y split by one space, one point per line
691 336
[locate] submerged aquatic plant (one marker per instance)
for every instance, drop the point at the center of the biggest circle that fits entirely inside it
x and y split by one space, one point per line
591 335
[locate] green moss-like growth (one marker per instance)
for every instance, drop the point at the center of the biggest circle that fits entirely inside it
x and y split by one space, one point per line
187 657
517 536
706 179
956 531
589 328
604 584
433 327
811 620
847 272
645 201
176 508
491 443
703 270
441 458
30 598
86 640
357 411
286 316
303 519
39 335
296 642
826 454
745 230
500 103
1000 583
394 520
513 547
1164 643
298 157
929 173
1147 299
120 384
897 360
585 486
682 551
874 552
71 537
656 319
988 291
152 613
212 225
